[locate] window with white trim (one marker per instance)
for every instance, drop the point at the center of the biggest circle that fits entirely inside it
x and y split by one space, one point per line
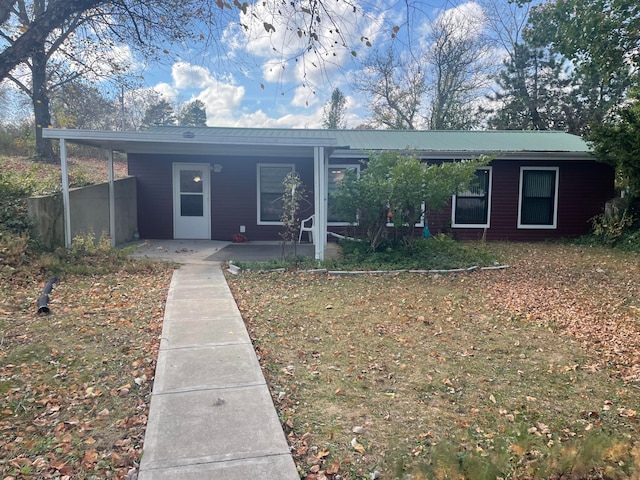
270 190
335 175
538 200
472 208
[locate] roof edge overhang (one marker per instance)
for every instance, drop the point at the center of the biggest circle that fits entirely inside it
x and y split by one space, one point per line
468 154
120 140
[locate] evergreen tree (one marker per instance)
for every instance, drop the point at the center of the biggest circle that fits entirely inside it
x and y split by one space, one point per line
335 111
194 114
159 114
533 85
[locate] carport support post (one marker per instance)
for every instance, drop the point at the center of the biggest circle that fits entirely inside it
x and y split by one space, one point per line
320 188
65 193
112 201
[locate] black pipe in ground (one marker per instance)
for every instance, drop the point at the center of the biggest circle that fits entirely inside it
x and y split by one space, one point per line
43 301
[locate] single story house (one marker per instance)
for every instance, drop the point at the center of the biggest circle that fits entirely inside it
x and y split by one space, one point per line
212 183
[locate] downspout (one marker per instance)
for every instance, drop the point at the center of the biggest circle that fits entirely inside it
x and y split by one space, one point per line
112 200
65 193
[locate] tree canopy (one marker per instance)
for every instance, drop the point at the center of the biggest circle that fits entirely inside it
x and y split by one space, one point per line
193 114
617 141
575 62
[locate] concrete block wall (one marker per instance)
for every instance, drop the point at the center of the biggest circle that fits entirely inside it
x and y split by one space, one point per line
89 207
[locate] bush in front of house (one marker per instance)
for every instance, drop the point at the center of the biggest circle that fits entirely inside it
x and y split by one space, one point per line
398 189
440 252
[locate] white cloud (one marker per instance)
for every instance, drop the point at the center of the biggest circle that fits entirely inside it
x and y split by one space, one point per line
187 76
167 91
227 103
261 119
288 55
469 18
222 101
304 97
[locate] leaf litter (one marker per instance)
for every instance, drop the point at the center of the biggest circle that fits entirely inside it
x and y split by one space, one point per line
514 367
76 383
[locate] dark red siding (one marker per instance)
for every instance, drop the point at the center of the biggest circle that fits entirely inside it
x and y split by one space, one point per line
583 189
155 198
233 194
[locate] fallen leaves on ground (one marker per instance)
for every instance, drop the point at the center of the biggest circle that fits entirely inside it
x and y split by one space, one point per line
76 383
586 293
520 369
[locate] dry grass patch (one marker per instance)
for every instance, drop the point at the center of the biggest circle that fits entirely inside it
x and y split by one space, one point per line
525 373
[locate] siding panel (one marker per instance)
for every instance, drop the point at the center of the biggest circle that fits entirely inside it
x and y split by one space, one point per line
584 187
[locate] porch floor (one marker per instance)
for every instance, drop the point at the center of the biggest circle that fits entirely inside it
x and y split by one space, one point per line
197 251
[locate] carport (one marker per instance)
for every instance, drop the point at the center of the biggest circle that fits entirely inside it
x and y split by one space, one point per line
317 145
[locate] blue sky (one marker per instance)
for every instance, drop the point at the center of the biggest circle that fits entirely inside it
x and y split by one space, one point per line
246 82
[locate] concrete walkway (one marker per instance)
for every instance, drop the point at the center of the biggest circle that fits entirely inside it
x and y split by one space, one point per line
211 414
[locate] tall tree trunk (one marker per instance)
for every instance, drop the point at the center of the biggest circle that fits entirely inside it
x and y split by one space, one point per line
40 99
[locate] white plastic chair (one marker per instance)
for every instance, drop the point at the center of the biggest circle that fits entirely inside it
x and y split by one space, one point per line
306 225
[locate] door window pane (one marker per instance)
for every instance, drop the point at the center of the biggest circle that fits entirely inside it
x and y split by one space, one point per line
191 181
191 205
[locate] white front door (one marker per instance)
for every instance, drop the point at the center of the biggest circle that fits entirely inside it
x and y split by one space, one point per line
191 204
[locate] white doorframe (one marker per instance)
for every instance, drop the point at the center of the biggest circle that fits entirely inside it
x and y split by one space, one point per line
191 201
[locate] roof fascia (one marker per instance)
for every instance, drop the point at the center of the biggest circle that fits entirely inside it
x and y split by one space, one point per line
100 138
463 155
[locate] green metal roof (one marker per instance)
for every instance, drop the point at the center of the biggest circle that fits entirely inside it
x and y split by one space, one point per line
434 144
463 141
423 140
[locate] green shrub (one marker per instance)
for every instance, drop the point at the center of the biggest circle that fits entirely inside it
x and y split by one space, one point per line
439 252
611 228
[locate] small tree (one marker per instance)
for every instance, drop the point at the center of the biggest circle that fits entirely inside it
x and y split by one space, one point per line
291 199
335 111
393 188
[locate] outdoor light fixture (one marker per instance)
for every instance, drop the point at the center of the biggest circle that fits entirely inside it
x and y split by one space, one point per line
217 168
197 179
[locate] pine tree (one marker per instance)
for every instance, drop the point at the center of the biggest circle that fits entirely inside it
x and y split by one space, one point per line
194 115
335 111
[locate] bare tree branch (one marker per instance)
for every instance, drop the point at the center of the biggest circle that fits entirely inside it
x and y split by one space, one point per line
57 12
